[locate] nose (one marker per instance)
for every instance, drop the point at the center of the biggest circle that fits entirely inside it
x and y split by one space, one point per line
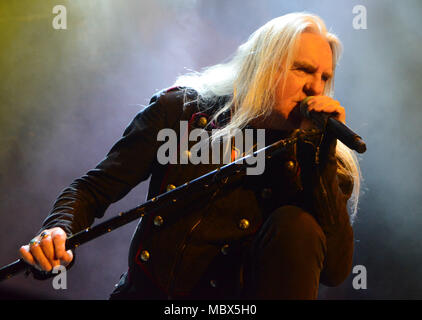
314 87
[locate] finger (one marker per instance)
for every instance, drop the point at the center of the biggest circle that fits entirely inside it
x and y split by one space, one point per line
59 240
26 255
47 247
312 99
323 105
328 105
67 258
315 104
39 257
337 110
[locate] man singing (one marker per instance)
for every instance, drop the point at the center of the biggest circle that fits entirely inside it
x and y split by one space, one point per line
277 235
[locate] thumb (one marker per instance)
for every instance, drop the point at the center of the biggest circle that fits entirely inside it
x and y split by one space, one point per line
67 258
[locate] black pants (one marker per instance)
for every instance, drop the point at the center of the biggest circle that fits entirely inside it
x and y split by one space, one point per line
283 261
286 257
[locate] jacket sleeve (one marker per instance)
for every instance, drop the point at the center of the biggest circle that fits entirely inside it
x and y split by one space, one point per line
127 164
327 190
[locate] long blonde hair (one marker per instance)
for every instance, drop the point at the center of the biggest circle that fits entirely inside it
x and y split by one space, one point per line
252 76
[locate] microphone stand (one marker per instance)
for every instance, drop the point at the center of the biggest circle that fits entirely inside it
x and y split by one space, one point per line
206 183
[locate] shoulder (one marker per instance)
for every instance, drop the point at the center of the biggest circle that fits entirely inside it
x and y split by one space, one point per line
176 103
186 103
175 96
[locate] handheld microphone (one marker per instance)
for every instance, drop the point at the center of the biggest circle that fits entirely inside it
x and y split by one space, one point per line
324 121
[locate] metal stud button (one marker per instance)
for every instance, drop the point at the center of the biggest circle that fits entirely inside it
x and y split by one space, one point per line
158 221
290 165
202 122
170 187
243 224
225 249
145 255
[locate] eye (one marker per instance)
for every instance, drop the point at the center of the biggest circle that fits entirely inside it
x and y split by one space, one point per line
304 70
325 78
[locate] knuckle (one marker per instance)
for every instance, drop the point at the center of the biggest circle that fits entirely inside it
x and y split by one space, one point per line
59 231
45 242
58 241
60 235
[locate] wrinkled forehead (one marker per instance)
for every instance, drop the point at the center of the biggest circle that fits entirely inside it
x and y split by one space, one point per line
314 48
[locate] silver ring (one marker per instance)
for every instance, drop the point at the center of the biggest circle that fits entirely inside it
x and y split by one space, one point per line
34 241
43 235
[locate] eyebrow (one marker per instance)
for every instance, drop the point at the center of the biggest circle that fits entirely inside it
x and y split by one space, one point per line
310 67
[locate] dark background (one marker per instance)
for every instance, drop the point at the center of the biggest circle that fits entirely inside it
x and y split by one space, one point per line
67 95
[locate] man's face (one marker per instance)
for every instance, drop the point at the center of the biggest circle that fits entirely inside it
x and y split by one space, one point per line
311 69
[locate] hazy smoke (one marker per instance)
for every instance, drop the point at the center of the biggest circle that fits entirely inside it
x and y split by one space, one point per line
67 95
